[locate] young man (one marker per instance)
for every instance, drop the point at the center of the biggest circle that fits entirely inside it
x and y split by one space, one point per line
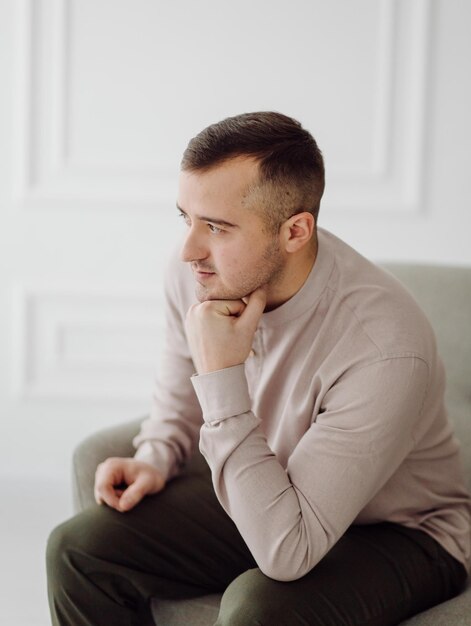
311 382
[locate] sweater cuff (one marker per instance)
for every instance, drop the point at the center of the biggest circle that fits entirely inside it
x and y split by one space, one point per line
159 456
223 393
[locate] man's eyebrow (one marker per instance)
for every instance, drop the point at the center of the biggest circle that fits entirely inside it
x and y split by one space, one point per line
212 220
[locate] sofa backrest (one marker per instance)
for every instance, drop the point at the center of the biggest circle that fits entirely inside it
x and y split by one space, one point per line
444 293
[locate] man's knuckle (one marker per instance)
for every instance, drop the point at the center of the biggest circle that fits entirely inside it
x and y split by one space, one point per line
205 307
193 309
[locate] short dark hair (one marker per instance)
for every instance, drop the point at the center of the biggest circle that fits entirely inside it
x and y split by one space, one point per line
291 167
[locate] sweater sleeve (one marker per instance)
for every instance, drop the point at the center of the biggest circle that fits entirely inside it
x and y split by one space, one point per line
291 517
168 437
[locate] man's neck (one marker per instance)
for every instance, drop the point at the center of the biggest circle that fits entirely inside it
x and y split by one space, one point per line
294 276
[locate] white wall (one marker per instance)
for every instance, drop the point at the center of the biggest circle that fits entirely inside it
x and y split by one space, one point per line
98 100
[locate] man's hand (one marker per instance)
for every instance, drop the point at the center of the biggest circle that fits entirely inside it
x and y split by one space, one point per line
121 483
220 332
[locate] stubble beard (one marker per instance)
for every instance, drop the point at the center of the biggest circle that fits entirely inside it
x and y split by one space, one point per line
268 271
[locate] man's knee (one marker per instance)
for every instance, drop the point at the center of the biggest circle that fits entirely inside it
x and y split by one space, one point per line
54 550
76 539
61 543
250 600
60 546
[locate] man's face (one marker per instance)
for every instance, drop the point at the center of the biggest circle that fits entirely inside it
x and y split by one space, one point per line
230 253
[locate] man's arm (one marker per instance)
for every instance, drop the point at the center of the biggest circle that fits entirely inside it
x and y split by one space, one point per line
168 437
291 517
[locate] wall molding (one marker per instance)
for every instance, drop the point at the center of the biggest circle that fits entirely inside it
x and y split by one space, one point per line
87 343
49 176
395 181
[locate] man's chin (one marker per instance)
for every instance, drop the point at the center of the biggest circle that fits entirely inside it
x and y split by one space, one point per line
204 295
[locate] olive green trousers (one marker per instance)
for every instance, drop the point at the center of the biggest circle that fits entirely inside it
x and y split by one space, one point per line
104 567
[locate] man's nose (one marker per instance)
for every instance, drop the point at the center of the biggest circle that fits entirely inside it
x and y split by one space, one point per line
193 248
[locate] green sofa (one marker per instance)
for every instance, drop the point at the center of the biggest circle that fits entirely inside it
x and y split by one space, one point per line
445 295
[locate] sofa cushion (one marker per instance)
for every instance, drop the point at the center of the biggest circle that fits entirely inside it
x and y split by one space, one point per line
444 293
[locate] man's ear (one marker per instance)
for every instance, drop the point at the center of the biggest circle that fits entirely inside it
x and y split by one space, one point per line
297 231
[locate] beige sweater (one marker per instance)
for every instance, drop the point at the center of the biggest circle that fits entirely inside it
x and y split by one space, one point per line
336 419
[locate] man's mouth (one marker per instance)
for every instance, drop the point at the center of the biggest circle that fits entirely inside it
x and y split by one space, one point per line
202 273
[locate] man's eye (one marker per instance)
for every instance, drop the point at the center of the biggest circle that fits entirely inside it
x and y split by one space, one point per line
185 218
214 229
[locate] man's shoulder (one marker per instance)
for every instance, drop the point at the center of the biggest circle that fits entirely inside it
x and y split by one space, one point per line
376 301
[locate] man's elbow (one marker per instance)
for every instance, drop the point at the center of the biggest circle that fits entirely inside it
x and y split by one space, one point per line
287 571
293 557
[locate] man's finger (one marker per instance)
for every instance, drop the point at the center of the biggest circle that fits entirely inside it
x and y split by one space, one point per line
105 494
134 493
108 474
231 308
255 306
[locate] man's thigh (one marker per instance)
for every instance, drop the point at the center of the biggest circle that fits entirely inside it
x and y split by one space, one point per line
375 575
177 543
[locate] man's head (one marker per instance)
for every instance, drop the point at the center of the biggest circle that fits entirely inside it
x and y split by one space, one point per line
249 191
290 165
